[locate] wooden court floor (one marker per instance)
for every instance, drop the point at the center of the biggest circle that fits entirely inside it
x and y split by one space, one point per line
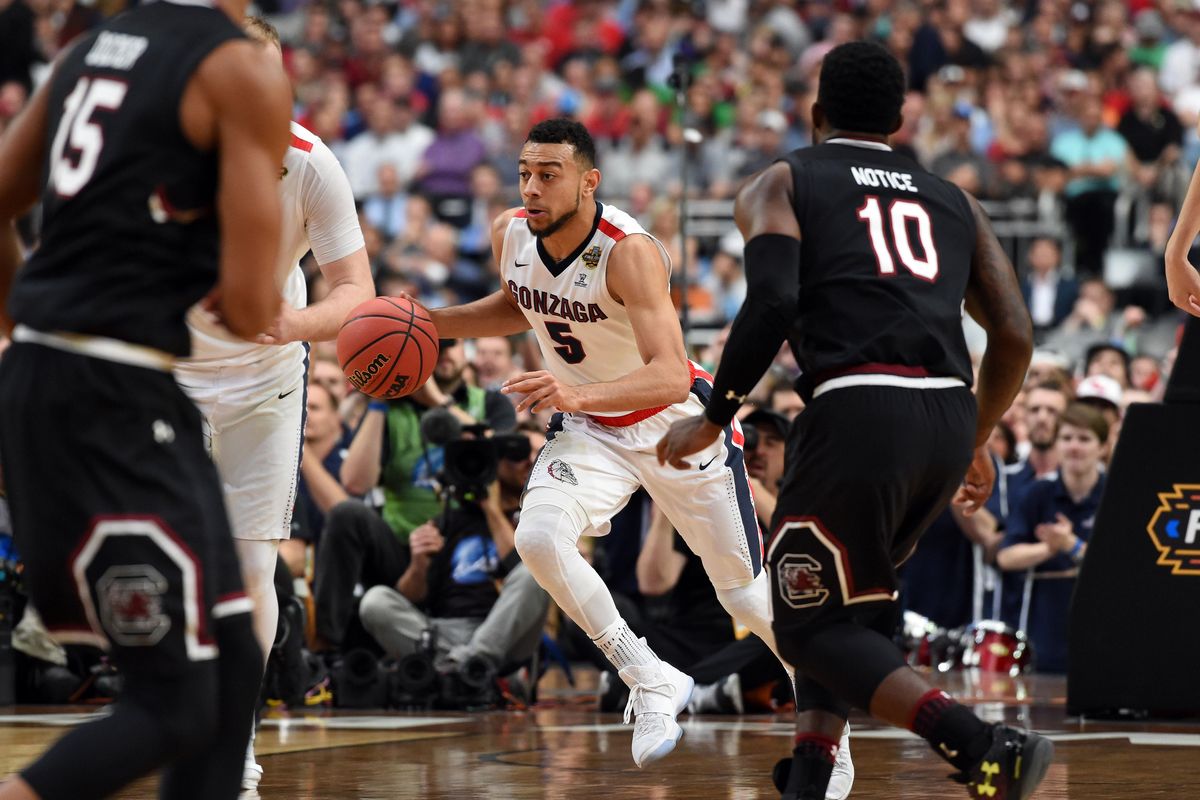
562 749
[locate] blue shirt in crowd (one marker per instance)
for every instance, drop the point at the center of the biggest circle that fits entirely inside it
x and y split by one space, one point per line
1050 604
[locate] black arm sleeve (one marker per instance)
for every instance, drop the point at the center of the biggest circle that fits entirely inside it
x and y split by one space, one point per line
762 324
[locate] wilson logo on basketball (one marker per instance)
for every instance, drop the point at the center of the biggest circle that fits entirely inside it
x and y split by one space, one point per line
361 377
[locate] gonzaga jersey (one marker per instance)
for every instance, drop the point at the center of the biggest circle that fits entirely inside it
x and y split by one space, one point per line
584 334
318 214
886 251
129 231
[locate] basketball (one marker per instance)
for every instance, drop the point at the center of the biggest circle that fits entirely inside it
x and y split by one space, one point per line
388 347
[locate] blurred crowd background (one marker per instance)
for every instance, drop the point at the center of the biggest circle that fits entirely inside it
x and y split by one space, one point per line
1074 122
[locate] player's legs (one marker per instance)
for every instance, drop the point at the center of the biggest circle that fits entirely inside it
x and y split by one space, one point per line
577 485
118 546
850 508
714 513
255 418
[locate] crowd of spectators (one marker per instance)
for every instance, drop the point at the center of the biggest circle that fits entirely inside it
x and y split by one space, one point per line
1074 121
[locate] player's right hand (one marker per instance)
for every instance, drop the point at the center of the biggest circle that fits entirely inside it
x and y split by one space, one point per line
977 485
1183 284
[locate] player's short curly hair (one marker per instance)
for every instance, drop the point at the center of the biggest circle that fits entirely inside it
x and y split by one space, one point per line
862 88
562 130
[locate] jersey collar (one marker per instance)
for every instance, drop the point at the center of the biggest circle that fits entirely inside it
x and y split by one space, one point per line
868 145
557 268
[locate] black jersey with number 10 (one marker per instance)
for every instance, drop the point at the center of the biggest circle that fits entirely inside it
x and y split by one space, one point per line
129 230
886 252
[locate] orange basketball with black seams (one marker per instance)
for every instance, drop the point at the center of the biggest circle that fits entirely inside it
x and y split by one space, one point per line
388 347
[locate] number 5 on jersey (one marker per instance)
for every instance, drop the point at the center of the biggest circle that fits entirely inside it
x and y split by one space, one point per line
900 213
570 349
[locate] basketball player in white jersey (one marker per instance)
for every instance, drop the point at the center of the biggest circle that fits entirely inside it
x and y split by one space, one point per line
594 288
252 395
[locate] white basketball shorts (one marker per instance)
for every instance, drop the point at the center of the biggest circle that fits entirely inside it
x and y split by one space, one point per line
710 505
254 427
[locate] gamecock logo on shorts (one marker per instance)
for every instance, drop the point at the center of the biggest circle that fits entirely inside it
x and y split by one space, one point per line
131 607
561 471
800 581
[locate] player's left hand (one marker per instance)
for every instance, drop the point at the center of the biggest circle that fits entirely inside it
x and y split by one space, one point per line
542 390
685 437
977 485
283 330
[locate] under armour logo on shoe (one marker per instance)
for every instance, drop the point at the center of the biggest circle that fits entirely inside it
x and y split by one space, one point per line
991 769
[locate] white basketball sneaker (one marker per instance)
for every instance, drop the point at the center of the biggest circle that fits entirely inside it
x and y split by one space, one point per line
842 777
251 774
657 693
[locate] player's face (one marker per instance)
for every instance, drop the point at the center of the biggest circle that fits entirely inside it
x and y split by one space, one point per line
552 186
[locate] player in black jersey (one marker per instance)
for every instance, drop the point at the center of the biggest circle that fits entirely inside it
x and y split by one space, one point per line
863 260
154 149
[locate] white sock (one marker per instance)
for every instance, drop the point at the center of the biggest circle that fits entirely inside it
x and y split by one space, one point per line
622 648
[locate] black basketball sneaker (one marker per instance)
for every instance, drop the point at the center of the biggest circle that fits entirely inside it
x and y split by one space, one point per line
1012 768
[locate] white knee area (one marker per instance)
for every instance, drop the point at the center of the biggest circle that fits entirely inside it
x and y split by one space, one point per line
258 557
547 538
751 606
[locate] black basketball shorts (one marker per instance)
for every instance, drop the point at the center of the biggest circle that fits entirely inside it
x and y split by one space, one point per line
117 509
868 469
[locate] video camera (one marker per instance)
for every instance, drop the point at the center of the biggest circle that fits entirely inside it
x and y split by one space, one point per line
470 464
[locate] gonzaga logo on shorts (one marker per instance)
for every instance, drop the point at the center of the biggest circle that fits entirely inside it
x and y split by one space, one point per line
1175 529
561 471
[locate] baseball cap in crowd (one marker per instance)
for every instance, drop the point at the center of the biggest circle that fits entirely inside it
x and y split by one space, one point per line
1099 390
765 416
1073 80
952 73
773 119
444 343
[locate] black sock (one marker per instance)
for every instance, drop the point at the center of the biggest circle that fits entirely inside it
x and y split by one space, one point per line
813 758
951 729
